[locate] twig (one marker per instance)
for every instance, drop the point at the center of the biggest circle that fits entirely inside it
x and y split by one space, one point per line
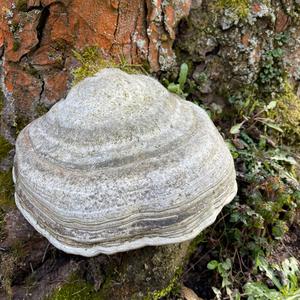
197 262
32 271
241 263
79 291
45 252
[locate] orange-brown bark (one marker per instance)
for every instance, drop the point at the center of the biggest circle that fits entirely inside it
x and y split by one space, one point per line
37 40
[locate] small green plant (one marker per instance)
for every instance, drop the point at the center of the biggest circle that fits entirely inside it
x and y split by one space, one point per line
224 270
284 277
272 73
259 117
178 88
268 196
276 115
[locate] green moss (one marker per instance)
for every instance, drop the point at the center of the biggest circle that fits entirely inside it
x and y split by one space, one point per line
287 114
32 71
6 189
106 286
172 287
20 123
2 215
6 196
92 61
6 183
75 289
16 45
240 7
21 5
5 147
41 109
195 243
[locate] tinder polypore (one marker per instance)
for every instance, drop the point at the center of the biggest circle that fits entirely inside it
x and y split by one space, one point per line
121 163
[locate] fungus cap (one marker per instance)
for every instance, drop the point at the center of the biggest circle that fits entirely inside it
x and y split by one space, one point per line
119 164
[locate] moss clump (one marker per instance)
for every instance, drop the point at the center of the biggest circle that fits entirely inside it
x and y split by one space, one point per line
240 7
21 122
200 238
7 260
2 215
21 5
41 109
5 147
172 287
287 114
32 71
75 289
92 61
6 189
16 45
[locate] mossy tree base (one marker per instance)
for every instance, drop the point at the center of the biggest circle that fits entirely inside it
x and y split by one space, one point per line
31 266
146 273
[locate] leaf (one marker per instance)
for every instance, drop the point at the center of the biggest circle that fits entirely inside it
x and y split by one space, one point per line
227 264
290 270
229 292
217 292
271 105
236 128
287 159
213 264
258 290
273 126
174 88
183 75
264 266
234 217
237 295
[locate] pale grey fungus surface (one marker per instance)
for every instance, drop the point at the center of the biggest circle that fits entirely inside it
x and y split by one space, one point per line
119 164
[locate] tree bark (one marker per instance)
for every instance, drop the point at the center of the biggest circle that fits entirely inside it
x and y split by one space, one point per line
36 42
31 268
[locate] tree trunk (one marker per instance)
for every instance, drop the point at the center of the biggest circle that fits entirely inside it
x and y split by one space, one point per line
31 268
36 42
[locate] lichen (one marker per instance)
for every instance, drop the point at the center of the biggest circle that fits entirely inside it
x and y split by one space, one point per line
92 61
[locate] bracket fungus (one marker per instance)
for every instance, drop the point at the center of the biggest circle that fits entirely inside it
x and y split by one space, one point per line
119 164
